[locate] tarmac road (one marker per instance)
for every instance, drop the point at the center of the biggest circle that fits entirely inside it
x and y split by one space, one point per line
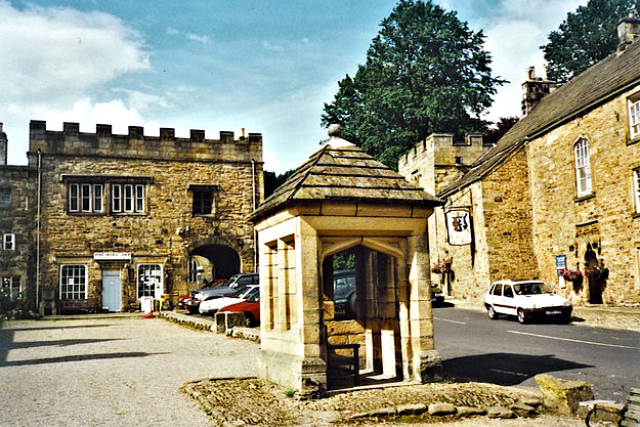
507 353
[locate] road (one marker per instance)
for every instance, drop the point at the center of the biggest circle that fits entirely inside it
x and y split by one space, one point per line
507 353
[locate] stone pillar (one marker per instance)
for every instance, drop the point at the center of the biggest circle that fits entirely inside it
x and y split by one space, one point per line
313 369
425 362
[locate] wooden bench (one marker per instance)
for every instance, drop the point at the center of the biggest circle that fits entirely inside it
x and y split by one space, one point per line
352 363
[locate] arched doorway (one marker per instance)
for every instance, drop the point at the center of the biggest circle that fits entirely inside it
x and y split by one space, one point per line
213 262
359 286
595 284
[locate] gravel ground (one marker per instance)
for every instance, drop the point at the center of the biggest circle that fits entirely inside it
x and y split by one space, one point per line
110 371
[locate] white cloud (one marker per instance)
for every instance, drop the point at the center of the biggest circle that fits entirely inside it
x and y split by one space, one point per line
142 101
54 58
198 38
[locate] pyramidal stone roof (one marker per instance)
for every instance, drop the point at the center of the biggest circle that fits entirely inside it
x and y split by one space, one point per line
341 171
608 78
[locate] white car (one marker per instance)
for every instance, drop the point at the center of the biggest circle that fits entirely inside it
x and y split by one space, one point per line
526 300
211 306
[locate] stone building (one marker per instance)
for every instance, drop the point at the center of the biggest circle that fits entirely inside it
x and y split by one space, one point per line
342 200
18 185
128 216
560 190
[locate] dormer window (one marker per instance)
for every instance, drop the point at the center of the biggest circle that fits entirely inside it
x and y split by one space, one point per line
583 167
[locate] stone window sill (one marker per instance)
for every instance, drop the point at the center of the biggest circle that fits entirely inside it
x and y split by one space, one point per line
584 198
636 215
633 140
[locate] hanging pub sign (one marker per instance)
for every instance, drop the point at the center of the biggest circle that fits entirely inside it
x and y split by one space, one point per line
458 227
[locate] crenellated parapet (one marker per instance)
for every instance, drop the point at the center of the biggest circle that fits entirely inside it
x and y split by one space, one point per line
136 145
439 158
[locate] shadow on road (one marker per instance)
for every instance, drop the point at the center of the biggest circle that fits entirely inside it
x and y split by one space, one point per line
62 343
53 328
505 369
78 358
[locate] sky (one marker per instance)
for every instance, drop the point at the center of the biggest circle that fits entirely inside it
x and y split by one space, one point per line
264 65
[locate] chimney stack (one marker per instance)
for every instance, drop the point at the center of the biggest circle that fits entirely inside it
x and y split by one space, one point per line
4 142
534 89
628 31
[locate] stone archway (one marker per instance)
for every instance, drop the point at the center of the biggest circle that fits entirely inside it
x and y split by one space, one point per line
368 319
224 260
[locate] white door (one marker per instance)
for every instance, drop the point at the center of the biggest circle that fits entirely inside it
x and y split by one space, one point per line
111 290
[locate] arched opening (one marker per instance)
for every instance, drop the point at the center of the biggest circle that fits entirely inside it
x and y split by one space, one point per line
211 263
361 316
594 279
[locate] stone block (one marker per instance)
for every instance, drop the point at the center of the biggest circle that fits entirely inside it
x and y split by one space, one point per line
440 408
500 412
523 410
411 409
606 410
562 395
470 411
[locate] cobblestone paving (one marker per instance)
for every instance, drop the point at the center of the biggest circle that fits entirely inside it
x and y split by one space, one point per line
110 372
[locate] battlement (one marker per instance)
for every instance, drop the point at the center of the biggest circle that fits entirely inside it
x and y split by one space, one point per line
443 149
104 143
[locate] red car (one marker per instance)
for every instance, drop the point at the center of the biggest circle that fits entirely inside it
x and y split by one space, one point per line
251 310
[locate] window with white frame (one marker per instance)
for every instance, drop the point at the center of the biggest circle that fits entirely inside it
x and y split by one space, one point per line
150 282
634 117
85 197
583 167
9 241
128 198
636 189
73 281
11 286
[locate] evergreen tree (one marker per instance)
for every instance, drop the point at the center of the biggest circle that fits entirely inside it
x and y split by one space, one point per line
425 72
585 37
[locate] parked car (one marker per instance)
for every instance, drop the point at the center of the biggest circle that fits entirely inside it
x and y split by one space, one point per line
226 288
250 308
211 306
526 300
183 301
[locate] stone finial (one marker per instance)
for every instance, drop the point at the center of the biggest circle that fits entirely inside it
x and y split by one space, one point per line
335 140
335 130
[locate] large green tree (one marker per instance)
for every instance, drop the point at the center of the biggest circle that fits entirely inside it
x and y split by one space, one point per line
585 37
425 72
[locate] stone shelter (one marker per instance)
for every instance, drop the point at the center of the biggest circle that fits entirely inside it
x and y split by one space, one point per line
342 199
121 217
558 197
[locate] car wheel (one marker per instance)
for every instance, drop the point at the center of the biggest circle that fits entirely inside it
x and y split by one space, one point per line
522 316
193 310
492 313
565 318
249 321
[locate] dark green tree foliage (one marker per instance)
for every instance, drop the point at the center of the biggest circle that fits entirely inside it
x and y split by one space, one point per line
498 129
585 37
425 72
273 181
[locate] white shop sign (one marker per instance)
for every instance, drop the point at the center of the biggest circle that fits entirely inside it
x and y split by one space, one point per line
112 256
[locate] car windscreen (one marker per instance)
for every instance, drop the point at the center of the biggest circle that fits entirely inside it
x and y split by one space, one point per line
239 293
252 294
527 288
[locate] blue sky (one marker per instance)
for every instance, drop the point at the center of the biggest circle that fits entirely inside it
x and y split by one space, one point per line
263 65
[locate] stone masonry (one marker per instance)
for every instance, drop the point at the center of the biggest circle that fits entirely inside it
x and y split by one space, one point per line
133 205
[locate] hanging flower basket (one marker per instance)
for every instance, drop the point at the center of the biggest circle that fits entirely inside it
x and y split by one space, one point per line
439 268
571 275
604 273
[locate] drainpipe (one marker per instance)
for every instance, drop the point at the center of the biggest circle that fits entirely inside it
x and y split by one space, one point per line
38 229
253 205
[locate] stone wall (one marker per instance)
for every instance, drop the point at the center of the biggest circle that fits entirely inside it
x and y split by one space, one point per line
564 224
167 230
18 217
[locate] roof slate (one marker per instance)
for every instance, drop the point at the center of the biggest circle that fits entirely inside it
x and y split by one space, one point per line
344 174
598 84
